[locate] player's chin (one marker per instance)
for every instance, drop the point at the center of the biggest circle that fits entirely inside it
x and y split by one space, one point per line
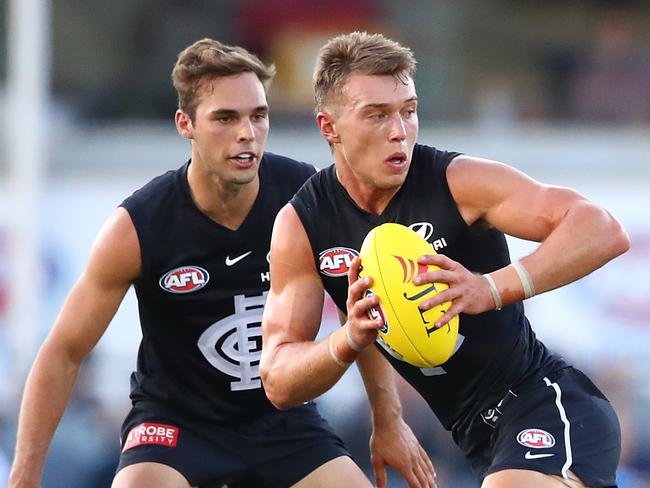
391 181
243 177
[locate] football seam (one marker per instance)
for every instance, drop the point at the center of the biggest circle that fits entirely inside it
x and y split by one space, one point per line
390 303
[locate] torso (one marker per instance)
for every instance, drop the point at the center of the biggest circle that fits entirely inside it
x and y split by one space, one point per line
201 294
498 350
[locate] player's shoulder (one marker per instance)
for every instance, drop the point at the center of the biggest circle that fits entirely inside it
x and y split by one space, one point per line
156 189
284 174
424 154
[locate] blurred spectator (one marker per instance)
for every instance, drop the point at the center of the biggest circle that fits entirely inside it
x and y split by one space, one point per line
4 470
495 104
85 449
612 84
620 382
150 35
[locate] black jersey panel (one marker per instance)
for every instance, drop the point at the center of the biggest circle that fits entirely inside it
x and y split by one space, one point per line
498 349
201 294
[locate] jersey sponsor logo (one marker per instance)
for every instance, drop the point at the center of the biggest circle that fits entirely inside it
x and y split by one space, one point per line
530 455
336 261
535 438
424 229
235 260
376 312
233 345
185 279
146 433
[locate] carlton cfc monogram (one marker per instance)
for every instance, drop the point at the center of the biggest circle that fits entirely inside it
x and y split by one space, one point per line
233 344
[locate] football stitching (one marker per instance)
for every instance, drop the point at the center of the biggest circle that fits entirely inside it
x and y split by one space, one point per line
390 303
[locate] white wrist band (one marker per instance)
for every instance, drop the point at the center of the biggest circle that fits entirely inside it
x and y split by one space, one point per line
524 277
335 358
348 338
496 296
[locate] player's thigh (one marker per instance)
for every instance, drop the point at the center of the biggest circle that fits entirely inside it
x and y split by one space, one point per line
149 475
332 472
518 478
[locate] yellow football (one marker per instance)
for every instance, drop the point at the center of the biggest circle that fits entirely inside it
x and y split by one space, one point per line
389 254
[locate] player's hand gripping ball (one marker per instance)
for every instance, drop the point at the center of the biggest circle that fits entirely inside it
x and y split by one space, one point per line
389 254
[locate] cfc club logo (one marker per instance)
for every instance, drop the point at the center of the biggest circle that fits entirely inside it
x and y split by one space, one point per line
535 439
336 261
376 312
185 279
233 345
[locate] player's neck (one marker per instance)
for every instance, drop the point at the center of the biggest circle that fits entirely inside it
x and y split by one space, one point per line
226 203
367 197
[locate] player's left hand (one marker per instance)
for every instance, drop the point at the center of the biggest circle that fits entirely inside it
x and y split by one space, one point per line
468 292
396 446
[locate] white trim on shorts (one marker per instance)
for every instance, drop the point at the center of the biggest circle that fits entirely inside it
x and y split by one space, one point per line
567 427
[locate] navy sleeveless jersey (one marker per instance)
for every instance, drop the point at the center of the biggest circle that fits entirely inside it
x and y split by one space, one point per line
499 350
201 294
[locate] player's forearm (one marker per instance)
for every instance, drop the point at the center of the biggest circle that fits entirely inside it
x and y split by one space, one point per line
379 380
46 393
587 238
296 372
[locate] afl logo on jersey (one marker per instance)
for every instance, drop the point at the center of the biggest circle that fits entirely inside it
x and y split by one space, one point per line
535 438
185 279
336 261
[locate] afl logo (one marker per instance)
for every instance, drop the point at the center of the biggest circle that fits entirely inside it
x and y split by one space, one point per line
423 229
535 438
336 261
185 279
376 312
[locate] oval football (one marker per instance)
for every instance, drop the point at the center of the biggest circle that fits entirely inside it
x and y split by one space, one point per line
389 254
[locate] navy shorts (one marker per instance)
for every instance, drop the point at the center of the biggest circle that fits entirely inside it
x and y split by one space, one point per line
559 424
276 449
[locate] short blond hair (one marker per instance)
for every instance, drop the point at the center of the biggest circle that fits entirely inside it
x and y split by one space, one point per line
357 52
208 59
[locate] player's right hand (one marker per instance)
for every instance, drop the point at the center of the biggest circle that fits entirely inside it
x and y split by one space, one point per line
362 329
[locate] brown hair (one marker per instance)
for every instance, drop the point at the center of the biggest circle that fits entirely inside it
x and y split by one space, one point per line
207 59
369 54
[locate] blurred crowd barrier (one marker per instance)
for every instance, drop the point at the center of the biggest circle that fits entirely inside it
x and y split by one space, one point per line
601 323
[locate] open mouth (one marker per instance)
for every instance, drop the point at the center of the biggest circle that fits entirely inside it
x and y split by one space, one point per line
396 159
245 159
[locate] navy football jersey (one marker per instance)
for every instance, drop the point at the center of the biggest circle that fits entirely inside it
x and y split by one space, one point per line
201 294
496 350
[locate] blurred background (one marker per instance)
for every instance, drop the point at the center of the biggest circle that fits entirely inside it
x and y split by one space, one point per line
558 89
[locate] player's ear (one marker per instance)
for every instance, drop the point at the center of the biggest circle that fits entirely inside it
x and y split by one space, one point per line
184 124
327 126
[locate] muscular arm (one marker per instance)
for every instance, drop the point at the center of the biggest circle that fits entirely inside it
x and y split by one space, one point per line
294 367
88 309
576 235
